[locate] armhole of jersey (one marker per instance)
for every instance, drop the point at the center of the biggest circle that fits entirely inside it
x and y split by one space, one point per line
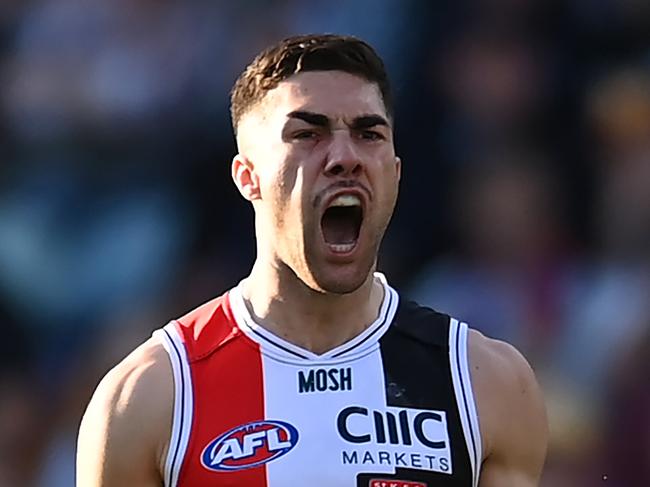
460 374
183 402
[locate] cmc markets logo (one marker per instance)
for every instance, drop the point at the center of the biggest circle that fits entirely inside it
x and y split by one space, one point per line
387 425
249 445
395 437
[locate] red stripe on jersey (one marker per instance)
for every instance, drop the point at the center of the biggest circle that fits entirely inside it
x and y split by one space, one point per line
227 379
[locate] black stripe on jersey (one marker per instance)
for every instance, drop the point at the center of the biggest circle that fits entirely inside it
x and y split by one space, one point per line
374 332
273 342
182 395
465 386
417 374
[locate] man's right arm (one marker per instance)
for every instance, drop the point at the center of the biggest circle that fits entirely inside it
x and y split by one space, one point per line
125 430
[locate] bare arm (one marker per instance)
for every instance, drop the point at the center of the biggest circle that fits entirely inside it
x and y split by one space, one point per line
511 414
124 432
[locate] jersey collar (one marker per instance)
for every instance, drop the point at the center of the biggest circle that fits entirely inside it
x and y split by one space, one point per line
281 349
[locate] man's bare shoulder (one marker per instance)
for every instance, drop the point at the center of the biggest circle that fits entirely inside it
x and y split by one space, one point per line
142 383
124 432
511 412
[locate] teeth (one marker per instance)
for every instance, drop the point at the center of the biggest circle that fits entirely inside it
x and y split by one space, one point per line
346 200
342 248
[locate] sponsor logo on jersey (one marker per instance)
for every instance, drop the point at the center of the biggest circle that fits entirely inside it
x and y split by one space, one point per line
321 380
388 427
249 445
394 483
395 437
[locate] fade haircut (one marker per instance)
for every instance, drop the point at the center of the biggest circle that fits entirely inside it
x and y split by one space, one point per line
299 54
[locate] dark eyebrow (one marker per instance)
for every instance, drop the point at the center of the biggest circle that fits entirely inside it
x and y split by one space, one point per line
311 118
367 121
320 120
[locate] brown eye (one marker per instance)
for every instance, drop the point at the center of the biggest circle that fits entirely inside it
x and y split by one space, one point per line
305 135
371 135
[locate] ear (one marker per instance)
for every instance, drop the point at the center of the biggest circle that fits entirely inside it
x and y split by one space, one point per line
245 177
398 167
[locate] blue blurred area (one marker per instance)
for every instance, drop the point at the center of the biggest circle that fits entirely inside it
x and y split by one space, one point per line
524 127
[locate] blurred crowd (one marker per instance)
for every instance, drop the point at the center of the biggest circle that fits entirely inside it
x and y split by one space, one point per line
524 127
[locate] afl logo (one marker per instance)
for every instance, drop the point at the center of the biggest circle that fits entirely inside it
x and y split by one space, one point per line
249 445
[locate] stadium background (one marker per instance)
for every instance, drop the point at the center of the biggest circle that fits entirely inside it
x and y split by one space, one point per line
524 127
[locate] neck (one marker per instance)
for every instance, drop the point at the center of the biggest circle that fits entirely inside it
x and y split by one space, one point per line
317 321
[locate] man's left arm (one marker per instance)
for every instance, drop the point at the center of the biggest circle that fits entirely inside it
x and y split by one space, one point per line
511 412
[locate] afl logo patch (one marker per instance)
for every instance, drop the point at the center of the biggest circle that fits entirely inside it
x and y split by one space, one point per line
249 445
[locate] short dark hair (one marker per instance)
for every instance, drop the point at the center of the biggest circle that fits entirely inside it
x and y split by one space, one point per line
314 52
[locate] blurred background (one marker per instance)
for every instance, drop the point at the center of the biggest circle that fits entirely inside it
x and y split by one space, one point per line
524 127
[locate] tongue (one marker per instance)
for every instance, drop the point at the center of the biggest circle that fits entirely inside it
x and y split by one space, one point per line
340 226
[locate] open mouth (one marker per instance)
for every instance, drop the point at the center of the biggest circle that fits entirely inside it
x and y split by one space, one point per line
341 223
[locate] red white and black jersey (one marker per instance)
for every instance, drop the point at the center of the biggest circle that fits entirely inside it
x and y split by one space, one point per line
393 407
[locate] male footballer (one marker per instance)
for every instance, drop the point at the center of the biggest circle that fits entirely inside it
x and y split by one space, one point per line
313 370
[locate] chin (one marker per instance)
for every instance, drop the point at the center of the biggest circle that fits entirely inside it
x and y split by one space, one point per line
340 287
340 281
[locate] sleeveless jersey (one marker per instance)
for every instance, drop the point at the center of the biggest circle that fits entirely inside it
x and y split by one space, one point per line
393 407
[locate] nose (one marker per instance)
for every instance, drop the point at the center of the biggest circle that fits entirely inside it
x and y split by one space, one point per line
343 157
